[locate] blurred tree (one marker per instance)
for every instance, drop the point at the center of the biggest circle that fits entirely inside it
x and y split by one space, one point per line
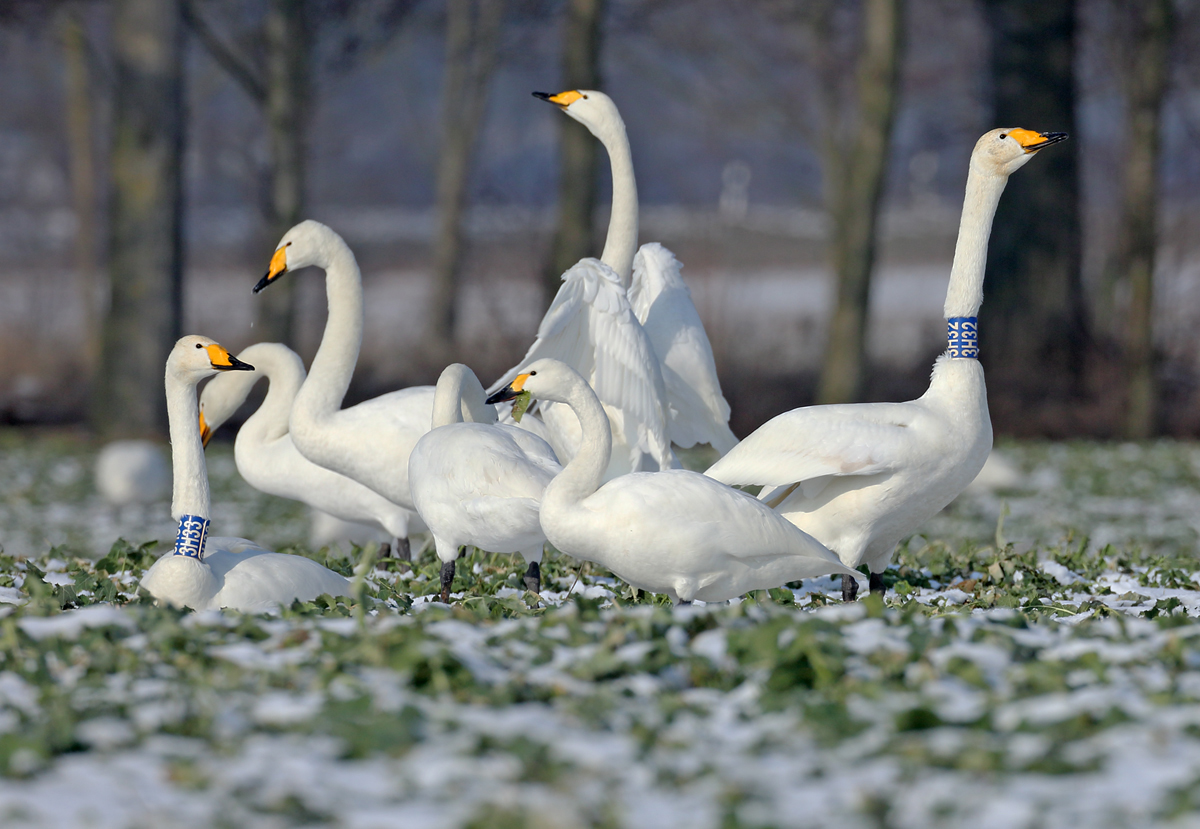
1146 26
282 87
1033 324
145 217
854 168
577 147
79 117
472 37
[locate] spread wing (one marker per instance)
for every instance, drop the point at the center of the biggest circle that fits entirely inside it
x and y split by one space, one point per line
818 442
697 409
591 327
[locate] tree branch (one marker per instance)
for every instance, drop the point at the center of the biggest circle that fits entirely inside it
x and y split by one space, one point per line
238 68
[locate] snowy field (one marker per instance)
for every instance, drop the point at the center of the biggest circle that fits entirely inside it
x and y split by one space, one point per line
1039 671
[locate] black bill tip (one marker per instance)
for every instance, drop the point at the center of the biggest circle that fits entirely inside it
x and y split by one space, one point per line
236 365
506 393
262 283
545 96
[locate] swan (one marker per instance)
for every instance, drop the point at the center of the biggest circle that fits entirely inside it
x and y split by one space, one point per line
132 472
675 532
479 484
633 332
862 476
370 442
263 450
206 573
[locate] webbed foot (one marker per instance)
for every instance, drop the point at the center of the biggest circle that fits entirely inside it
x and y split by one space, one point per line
849 588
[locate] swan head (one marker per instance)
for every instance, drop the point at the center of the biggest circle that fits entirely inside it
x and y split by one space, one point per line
194 357
308 243
544 379
593 109
1003 151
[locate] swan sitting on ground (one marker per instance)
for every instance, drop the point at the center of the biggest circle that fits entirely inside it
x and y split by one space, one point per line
479 484
370 442
207 573
861 477
263 450
631 329
675 532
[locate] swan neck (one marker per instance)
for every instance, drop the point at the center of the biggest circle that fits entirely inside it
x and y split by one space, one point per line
447 397
621 243
964 294
189 493
284 378
584 473
333 365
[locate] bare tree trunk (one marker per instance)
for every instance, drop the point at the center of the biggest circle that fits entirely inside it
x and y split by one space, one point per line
288 93
1145 82
472 37
83 177
578 148
1033 322
145 244
854 184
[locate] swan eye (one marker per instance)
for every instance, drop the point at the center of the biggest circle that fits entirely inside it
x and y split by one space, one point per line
1003 135
532 373
289 244
198 345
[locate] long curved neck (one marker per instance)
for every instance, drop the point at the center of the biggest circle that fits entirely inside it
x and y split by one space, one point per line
285 376
964 294
584 473
189 494
333 365
621 243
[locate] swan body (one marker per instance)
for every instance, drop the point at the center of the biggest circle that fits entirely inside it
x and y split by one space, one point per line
265 455
861 477
132 472
674 532
370 442
479 484
637 337
208 573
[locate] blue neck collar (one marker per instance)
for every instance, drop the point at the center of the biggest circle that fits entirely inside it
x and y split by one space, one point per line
193 532
962 335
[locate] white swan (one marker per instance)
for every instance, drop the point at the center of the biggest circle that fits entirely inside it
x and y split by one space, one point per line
675 532
207 573
265 455
479 484
860 477
370 442
633 332
132 472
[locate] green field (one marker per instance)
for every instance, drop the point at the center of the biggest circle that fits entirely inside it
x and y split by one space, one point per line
1039 671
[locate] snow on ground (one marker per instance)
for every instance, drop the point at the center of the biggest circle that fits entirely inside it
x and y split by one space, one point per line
1043 671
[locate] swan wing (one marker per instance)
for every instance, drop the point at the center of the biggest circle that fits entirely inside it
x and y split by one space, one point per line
591 327
663 304
816 442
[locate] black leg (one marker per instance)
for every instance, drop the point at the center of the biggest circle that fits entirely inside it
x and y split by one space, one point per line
533 577
385 550
849 588
403 550
447 580
683 603
877 583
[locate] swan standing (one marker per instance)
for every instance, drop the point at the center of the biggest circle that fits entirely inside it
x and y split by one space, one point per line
860 477
675 532
370 442
479 484
265 455
207 573
633 332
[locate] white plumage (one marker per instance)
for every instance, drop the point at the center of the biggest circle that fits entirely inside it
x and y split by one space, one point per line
370 442
230 572
479 484
132 472
861 477
265 454
632 331
673 532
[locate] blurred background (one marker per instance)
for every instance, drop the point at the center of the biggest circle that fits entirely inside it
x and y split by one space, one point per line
804 160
